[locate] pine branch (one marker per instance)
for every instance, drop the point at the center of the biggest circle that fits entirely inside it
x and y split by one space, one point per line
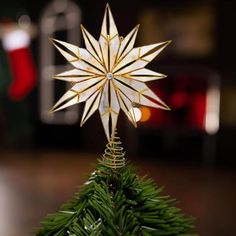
117 203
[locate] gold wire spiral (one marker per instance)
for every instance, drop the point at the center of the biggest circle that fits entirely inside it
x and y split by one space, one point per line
114 156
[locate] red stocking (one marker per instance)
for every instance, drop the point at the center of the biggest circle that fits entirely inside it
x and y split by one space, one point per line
23 71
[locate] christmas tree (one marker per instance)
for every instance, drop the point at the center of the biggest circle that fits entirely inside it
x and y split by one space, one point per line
116 201
109 75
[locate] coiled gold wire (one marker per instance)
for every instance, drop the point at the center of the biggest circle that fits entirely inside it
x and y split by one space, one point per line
114 155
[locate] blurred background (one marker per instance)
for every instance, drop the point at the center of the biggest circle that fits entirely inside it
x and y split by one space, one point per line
44 157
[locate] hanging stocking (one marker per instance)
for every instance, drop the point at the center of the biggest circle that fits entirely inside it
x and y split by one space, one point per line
16 43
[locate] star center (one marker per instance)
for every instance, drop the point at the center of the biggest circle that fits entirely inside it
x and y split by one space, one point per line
109 75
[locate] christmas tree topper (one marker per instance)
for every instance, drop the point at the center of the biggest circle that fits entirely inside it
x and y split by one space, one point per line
109 74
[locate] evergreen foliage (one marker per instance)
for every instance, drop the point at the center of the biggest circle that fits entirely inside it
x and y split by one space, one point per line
117 202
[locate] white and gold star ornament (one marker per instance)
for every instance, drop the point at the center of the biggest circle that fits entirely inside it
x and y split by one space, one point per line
109 74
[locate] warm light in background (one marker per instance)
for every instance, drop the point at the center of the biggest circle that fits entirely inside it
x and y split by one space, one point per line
146 114
212 119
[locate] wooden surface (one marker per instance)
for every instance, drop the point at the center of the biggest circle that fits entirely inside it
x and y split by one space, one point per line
34 184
